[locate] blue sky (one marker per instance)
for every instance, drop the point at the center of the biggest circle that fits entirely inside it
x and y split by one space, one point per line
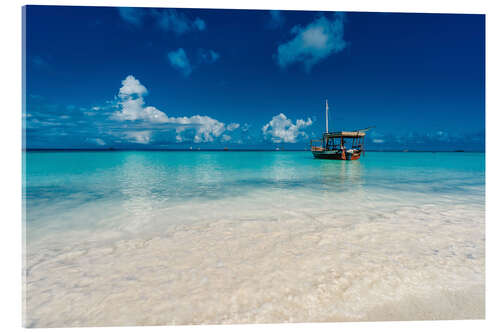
100 77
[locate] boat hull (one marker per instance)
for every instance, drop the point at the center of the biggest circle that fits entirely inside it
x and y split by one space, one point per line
336 155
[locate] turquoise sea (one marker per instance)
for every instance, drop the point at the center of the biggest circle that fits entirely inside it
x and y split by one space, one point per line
257 236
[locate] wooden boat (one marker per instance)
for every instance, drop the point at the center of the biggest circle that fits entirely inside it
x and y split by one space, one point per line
343 145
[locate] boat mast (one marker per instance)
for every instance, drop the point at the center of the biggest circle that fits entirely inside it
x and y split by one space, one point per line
326 116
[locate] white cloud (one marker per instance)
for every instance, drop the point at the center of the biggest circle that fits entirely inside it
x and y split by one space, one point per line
205 129
313 43
131 86
233 126
179 60
225 138
282 129
178 136
132 107
131 103
378 141
142 137
176 21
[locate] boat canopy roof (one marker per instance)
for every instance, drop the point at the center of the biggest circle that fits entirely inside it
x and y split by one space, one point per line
346 134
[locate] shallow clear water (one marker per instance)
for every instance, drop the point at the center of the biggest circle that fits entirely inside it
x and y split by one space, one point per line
64 188
383 213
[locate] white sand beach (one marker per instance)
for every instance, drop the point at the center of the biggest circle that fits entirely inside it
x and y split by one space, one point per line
288 263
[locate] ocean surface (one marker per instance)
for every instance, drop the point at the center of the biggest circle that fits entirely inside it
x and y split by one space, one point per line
162 237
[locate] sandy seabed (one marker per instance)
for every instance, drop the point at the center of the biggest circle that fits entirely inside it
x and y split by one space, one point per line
301 265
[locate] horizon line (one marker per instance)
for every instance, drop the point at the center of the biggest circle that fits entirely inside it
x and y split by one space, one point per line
239 150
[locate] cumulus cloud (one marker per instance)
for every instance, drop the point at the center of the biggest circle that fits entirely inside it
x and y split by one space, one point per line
205 129
132 86
281 129
313 43
131 107
142 137
179 60
233 126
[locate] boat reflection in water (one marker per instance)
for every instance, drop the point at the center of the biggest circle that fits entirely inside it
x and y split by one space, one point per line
343 175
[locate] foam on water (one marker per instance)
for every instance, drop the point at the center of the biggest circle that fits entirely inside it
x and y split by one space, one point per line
130 238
